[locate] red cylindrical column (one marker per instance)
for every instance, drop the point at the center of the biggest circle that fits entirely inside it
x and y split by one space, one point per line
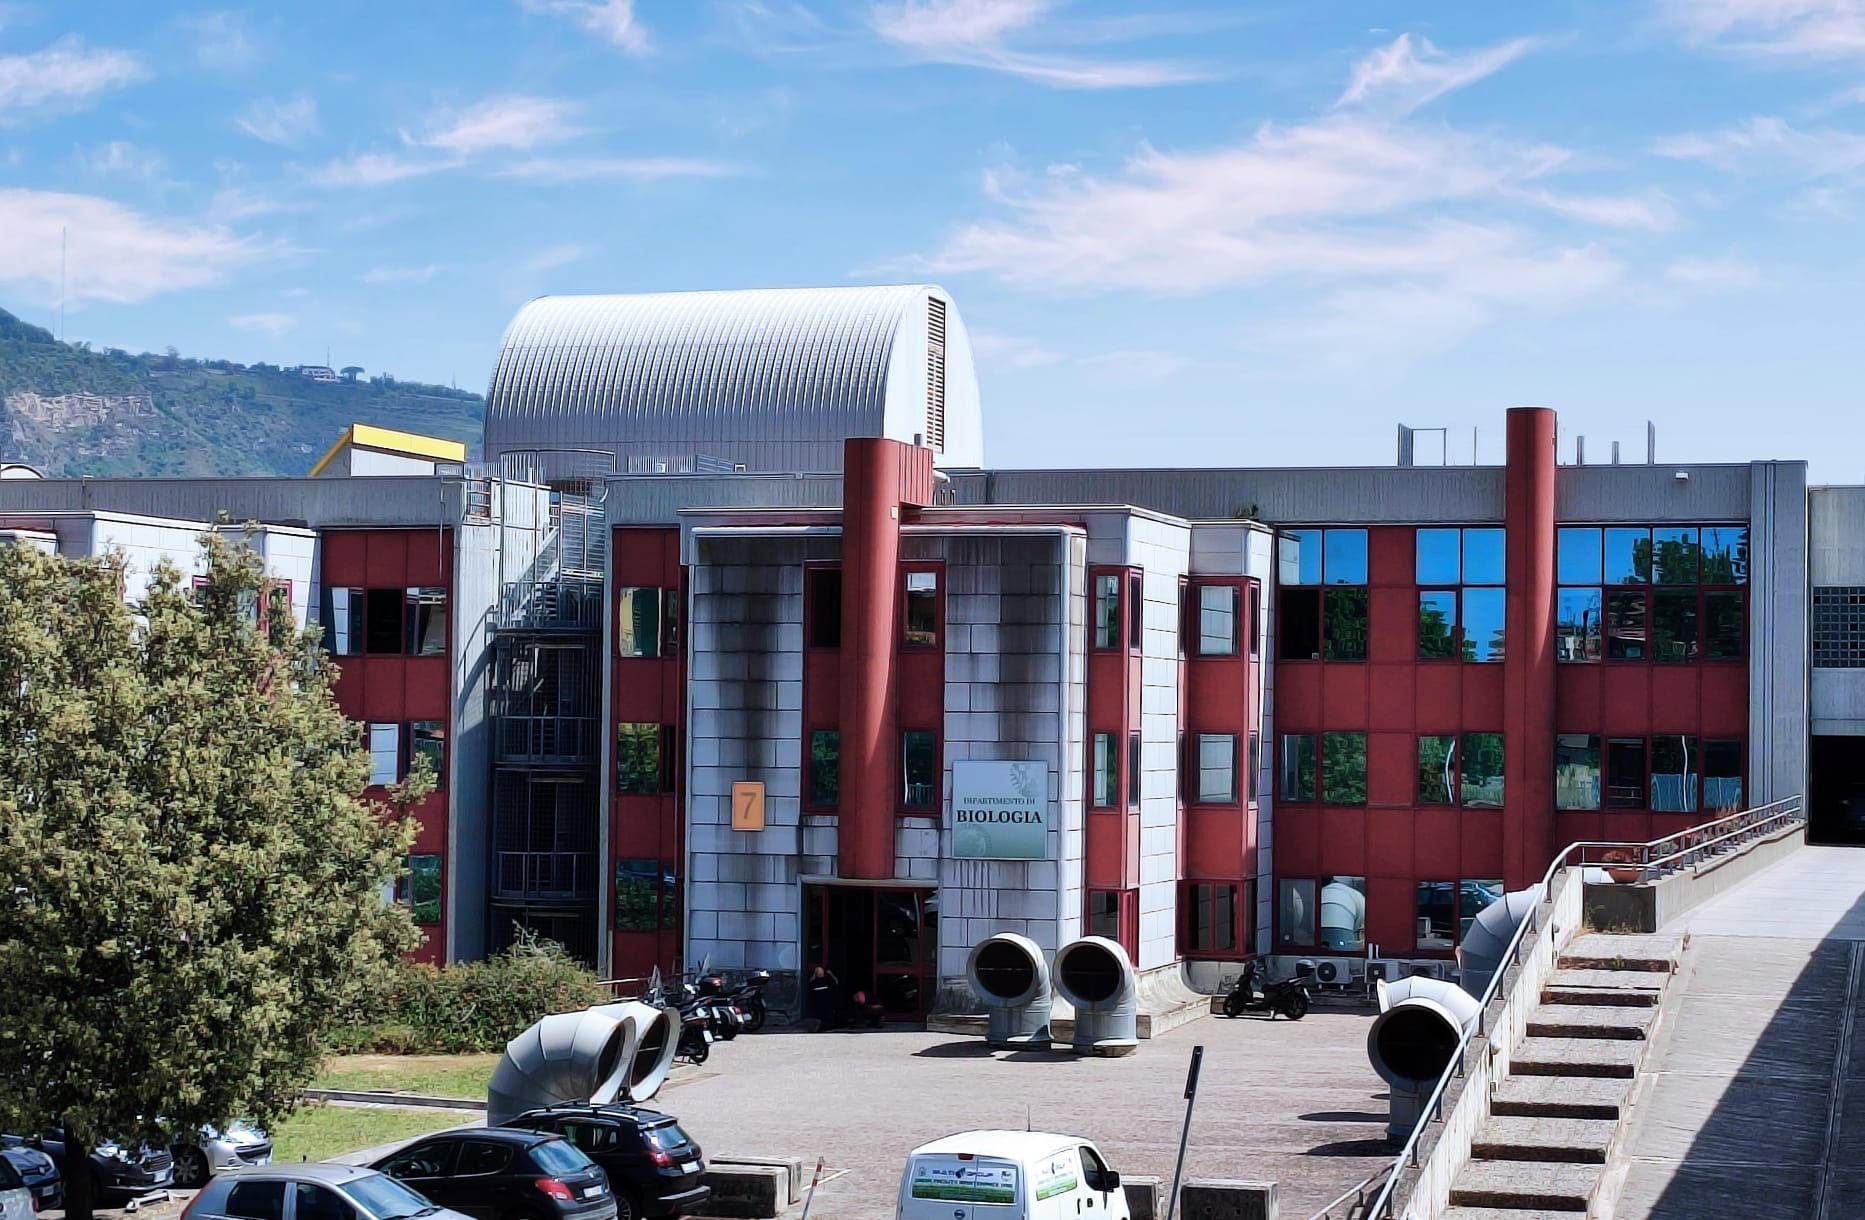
1528 659
870 580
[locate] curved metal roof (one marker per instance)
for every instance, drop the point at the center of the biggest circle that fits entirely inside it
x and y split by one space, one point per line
703 372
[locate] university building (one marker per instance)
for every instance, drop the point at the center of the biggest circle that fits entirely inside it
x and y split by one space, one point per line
730 646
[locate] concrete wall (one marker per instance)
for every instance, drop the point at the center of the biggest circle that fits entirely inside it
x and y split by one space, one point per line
1836 531
469 762
1779 698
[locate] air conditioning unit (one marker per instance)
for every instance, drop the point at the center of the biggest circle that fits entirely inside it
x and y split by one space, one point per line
1427 969
1384 970
1335 971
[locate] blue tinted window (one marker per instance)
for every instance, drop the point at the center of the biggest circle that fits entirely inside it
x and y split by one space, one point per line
1482 626
1674 555
1628 556
1438 558
1300 557
1725 555
1483 551
1346 557
1579 555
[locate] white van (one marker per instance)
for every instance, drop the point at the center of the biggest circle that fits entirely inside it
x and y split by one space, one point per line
1010 1175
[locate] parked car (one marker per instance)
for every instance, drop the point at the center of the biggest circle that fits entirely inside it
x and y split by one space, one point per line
500 1173
240 1147
654 1167
1022 1173
39 1173
117 1172
15 1199
317 1191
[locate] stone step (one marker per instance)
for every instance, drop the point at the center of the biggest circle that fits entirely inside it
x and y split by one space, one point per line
1513 1185
1577 1057
1576 1141
1560 1097
1590 1021
1634 988
1652 953
1501 1213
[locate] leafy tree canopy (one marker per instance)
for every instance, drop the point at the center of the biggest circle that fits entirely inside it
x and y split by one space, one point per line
191 885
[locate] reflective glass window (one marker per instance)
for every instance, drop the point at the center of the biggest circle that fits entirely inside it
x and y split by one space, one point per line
1343 914
1722 776
1295 914
1298 767
1436 912
1345 563
1576 771
1483 611
1439 559
1674 555
1437 624
1437 770
1343 768
1217 768
1217 620
1107 611
1724 625
1578 558
1344 631
1674 625
1104 787
1299 557
1676 771
1625 773
1626 636
825 768
1483 556
1480 767
1578 630
1725 554
1628 555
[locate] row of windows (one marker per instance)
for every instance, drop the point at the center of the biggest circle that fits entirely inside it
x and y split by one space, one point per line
1329 913
919 770
1217 918
397 622
1209 767
1670 773
1211 619
919 620
1670 626
1660 554
394 747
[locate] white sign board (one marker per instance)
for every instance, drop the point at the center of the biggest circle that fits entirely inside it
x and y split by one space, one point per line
1000 810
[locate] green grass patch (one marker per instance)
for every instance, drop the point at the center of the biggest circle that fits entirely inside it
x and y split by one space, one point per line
428 1075
317 1133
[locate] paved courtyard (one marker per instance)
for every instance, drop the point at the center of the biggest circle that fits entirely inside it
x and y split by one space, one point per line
1296 1103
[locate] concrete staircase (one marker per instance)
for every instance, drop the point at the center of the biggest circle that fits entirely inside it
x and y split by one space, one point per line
1555 1116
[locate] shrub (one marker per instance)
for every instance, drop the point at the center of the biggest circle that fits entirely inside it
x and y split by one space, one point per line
471 1006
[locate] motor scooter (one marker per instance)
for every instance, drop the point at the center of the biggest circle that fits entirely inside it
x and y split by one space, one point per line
1288 997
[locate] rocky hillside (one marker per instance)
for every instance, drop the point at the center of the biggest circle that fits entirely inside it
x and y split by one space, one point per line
72 411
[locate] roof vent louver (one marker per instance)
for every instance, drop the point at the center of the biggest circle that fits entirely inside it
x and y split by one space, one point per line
935 374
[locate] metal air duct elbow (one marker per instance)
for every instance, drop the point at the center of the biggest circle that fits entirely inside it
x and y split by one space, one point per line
1010 975
1419 1028
1095 977
1481 952
615 1052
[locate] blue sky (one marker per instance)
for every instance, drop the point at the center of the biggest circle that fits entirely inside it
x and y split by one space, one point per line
1183 233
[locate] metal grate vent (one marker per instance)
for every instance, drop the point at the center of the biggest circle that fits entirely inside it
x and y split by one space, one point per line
1839 627
935 374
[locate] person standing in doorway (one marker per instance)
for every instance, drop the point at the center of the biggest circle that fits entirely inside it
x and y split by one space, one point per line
820 997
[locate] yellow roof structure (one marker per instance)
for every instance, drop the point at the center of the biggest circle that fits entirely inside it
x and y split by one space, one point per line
412 444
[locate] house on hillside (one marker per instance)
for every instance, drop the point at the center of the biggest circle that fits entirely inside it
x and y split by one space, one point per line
317 372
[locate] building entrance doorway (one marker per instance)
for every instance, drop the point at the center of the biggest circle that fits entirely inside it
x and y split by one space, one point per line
1836 792
884 942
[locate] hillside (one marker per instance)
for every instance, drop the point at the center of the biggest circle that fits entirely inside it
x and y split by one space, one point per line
72 411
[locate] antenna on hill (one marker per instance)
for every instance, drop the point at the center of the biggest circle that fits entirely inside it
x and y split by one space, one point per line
62 230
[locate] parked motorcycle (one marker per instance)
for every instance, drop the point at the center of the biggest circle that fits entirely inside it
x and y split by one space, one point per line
745 1002
1288 997
696 1026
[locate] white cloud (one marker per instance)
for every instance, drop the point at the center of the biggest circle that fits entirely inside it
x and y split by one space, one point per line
115 254
1136 367
1404 75
498 123
613 20
1713 274
63 76
552 257
273 324
1770 144
121 159
222 41
1391 222
979 33
402 275
640 169
378 169
1811 29
286 123
237 203
1017 351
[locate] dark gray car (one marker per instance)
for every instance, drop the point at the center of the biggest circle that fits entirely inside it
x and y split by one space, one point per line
312 1192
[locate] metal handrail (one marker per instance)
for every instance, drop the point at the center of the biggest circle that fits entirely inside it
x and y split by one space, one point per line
1433 1109
1356 1192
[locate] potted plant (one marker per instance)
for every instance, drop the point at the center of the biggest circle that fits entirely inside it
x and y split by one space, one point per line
1622 866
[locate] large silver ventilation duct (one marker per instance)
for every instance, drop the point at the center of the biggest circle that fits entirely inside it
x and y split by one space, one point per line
1489 936
1095 977
1010 975
617 1052
1420 1025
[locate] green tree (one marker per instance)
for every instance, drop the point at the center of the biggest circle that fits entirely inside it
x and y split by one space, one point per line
191 886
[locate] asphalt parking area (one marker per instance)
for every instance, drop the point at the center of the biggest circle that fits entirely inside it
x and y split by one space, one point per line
1292 1102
